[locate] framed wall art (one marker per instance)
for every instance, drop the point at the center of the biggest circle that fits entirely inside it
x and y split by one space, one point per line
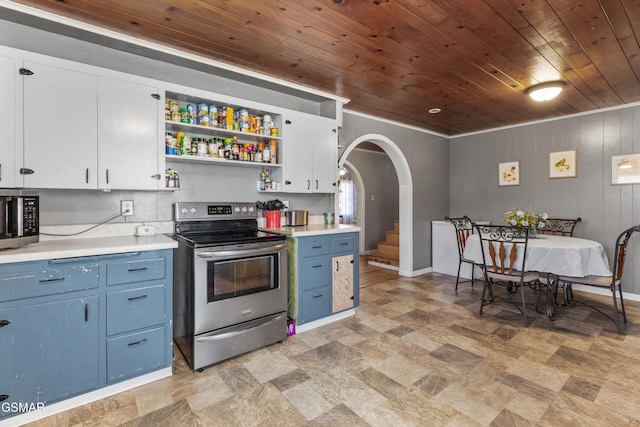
509 173
563 164
625 169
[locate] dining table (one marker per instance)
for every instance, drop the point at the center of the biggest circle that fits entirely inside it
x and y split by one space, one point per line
553 256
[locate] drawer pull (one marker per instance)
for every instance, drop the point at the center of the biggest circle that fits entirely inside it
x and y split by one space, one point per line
131 270
344 243
317 266
317 296
137 298
316 247
4 323
337 265
142 341
3 397
55 279
86 312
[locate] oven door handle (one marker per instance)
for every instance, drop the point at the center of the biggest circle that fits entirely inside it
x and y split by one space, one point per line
225 335
254 251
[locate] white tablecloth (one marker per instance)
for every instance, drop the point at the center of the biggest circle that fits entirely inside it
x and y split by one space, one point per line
565 256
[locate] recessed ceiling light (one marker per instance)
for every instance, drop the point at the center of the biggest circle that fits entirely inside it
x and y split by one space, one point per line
435 110
545 91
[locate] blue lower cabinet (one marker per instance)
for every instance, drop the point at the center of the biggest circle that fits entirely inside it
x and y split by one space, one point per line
69 326
48 351
324 275
135 354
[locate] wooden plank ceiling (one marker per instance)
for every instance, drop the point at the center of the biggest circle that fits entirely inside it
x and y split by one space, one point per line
397 59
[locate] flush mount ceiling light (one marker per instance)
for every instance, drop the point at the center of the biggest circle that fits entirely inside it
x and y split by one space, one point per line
545 91
434 110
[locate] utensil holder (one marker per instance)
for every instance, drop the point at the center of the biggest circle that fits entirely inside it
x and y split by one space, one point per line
273 219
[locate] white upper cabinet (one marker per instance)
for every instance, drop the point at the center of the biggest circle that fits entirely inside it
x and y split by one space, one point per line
7 121
60 127
128 135
311 153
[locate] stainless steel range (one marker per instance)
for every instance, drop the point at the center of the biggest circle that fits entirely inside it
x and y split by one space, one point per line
230 282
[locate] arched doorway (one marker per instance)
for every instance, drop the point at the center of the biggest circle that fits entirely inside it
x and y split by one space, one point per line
405 194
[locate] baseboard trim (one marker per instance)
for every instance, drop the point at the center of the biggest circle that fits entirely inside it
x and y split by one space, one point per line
83 399
325 321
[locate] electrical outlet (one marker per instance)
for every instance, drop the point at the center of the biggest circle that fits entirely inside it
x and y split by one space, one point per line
286 204
126 207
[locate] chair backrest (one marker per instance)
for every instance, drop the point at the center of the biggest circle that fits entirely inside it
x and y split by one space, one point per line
621 251
559 226
501 246
464 228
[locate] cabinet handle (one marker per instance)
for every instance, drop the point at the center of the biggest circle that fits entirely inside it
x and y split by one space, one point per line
86 176
344 243
316 247
26 171
25 72
337 265
142 341
55 279
137 298
156 176
86 312
4 323
155 96
288 122
317 296
0 171
131 270
308 184
3 397
317 266
287 182
107 175
316 184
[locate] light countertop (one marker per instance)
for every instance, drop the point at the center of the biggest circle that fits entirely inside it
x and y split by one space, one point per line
313 229
69 248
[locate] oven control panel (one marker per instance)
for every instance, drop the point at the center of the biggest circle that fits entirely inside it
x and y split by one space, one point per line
203 211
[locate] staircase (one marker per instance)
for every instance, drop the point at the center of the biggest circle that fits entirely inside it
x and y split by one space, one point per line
389 251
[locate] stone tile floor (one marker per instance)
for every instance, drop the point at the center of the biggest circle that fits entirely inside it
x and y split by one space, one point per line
415 354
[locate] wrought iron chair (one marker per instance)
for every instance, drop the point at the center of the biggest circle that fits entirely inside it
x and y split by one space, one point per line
464 228
560 226
612 282
504 250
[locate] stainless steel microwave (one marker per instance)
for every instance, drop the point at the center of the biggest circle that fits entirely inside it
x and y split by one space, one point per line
19 218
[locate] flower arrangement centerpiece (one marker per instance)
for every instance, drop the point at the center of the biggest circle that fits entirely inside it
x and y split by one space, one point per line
525 219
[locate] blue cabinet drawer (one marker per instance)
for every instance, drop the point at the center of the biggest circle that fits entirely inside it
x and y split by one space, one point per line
316 304
39 279
342 245
135 309
314 247
135 271
316 273
135 354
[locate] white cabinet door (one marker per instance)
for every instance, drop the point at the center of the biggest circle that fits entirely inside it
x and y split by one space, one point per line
325 158
7 121
128 140
311 150
60 142
298 157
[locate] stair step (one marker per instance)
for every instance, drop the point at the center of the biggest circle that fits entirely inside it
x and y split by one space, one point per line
396 226
388 250
384 260
392 237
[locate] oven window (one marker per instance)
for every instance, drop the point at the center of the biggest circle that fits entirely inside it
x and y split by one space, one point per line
241 276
